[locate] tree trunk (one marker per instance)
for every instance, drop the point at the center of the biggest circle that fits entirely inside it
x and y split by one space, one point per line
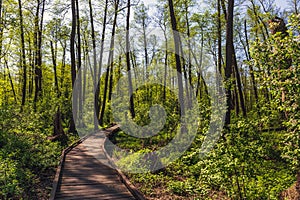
96 105
97 92
53 52
189 45
63 65
109 63
79 74
239 84
38 46
145 48
199 65
229 60
166 63
130 90
11 81
250 66
219 64
72 127
177 42
23 55
36 66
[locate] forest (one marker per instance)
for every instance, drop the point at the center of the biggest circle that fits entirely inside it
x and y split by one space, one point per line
211 88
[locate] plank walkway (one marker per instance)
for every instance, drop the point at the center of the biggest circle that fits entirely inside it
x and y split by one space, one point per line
84 176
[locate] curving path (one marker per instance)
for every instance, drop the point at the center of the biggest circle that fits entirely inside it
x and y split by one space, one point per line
82 174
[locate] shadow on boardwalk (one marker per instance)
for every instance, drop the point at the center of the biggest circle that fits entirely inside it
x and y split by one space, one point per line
84 176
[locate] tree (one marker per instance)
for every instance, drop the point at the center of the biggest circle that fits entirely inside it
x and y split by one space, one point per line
142 19
110 62
79 75
97 92
177 42
96 107
130 90
23 54
38 30
283 49
229 59
295 6
162 21
72 127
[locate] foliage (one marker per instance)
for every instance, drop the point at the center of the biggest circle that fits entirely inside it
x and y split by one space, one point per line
26 156
280 69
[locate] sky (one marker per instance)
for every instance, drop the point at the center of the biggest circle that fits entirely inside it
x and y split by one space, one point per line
281 3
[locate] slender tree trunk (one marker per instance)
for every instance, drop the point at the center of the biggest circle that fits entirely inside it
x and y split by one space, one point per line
97 92
79 74
87 64
229 60
189 44
219 65
145 48
119 73
40 34
110 61
36 66
199 73
111 77
23 55
96 105
72 127
130 90
177 42
38 46
250 66
235 96
31 70
295 3
63 65
53 52
239 85
224 8
11 81
166 64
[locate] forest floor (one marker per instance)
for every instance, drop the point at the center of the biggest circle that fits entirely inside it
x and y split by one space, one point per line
43 187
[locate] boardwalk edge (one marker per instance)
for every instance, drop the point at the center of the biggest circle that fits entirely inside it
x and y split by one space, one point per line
61 163
134 191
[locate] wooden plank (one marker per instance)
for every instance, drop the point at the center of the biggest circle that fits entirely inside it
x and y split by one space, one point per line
136 193
82 176
96 196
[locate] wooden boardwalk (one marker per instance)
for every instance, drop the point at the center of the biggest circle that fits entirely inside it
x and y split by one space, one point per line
83 175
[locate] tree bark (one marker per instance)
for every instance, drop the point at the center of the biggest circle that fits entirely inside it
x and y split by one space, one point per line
97 92
96 105
219 64
109 63
177 42
79 74
53 52
38 32
130 90
229 60
250 66
23 54
11 81
72 127
239 84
